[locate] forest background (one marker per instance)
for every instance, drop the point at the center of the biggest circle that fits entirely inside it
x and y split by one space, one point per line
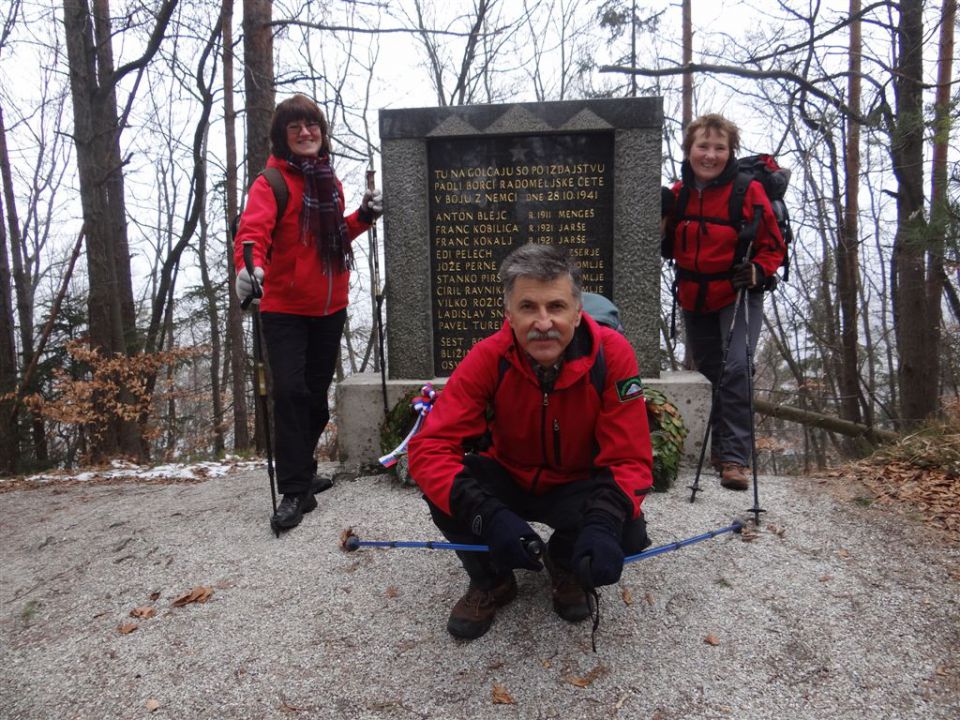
130 129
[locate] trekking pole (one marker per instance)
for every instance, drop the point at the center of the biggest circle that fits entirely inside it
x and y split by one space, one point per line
260 371
756 509
534 547
735 527
377 291
715 400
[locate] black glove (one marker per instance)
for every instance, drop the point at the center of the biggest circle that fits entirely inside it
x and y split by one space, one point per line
371 207
747 275
598 542
508 535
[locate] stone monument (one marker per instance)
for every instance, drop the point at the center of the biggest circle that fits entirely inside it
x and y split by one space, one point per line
465 185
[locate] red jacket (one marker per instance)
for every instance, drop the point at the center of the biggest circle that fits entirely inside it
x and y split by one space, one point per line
704 245
295 279
543 440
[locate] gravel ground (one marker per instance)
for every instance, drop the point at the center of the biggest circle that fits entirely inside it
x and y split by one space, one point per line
833 610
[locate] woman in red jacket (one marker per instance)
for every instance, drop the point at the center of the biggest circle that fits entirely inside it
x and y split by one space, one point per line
713 266
303 261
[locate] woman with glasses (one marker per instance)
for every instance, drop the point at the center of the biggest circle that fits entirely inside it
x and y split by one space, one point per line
302 260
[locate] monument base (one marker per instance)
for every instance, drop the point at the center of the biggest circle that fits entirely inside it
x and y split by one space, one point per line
360 412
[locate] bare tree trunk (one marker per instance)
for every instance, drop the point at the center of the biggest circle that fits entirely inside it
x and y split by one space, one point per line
258 81
831 424
687 59
848 258
97 129
939 211
917 322
9 436
241 434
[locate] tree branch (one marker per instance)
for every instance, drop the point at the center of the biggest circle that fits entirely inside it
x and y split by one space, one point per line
798 80
377 31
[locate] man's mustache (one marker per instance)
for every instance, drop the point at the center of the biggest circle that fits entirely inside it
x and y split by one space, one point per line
548 335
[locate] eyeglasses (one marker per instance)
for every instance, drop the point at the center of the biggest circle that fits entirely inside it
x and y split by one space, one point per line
297 128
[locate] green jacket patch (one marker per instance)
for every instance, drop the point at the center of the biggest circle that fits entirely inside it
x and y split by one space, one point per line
630 389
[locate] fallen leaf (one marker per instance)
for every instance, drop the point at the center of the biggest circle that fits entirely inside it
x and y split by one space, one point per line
152 705
155 596
546 663
392 592
199 594
501 696
712 639
826 578
649 598
584 681
144 611
778 531
627 596
845 554
287 707
346 535
127 628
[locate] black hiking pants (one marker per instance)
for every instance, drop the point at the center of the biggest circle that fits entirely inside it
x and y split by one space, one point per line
302 352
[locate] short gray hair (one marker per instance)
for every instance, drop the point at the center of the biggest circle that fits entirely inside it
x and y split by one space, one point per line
543 263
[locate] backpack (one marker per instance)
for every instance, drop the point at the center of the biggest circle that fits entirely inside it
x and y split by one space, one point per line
281 193
602 310
774 180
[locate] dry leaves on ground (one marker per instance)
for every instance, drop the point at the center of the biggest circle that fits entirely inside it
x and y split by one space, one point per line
144 612
127 628
501 696
920 473
199 594
152 705
712 639
584 681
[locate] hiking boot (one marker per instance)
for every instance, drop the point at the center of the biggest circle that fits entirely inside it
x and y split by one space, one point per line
473 614
733 476
291 510
569 598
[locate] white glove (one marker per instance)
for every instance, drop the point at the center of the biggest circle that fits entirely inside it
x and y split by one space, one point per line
244 284
373 203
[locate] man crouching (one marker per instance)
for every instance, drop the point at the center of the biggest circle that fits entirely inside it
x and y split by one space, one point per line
559 401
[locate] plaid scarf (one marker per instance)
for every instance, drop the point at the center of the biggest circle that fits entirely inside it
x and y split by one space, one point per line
321 219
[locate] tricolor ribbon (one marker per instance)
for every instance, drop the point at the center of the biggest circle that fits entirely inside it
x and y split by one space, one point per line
422 404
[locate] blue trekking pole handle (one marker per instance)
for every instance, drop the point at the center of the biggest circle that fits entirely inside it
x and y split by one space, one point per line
533 546
735 527
248 264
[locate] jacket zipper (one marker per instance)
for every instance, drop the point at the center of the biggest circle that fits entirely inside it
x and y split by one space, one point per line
696 254
543 441
326 308
556 441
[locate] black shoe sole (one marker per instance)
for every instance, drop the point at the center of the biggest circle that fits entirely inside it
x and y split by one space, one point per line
466 630
572 613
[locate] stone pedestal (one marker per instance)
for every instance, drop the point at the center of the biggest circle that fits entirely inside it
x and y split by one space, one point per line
360 412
